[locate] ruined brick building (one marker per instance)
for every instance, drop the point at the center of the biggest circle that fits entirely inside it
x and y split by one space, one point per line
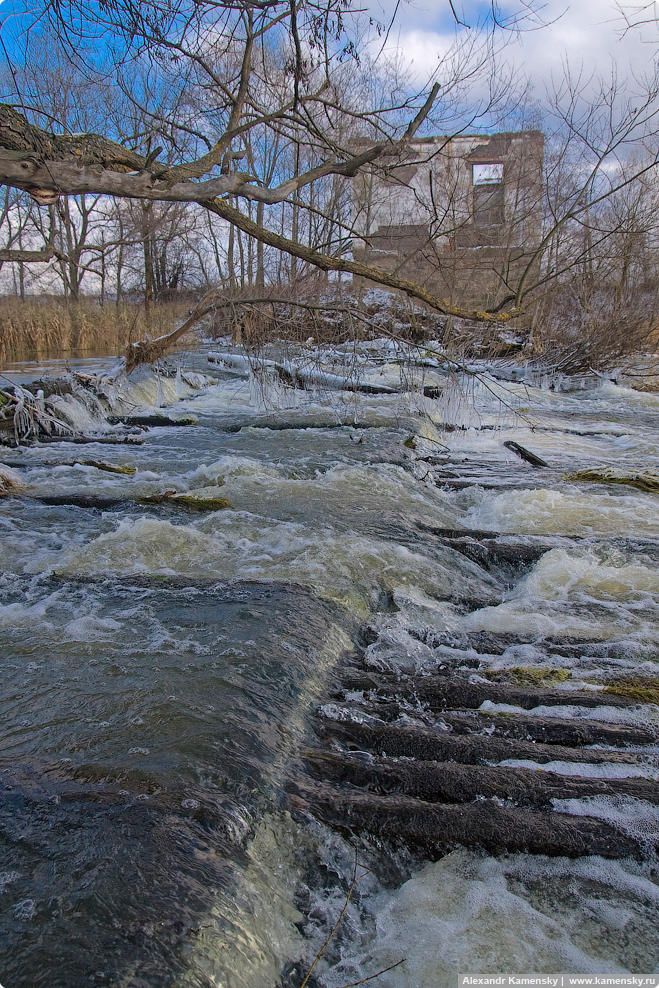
460 215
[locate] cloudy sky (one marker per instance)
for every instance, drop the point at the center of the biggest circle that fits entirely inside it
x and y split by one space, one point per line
585 32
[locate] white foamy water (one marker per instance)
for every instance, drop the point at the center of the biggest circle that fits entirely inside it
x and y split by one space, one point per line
574 575
581 593
567 511
633 816
637 714
475 913
586 770
348 567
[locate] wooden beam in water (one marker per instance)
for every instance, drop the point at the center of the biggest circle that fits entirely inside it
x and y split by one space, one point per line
451 692
436 829
396 741
448 782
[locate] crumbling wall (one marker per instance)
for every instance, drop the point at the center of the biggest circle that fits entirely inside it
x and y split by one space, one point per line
461 216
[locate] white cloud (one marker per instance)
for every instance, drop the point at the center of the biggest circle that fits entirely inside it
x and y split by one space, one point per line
585 33
422 50
589 34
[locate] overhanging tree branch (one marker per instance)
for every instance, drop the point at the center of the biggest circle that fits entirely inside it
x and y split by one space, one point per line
48 166
326 263
28 256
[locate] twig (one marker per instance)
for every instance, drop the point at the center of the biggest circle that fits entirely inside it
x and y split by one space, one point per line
371 976
355 879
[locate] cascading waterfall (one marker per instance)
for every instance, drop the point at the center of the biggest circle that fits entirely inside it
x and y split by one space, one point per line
293 570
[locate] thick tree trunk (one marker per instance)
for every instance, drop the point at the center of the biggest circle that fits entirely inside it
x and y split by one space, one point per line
260 272
147 212
230 259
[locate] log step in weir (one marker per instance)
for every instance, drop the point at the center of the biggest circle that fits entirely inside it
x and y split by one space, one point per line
428 763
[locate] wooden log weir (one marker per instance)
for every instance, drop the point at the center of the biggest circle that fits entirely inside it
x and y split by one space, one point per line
438 785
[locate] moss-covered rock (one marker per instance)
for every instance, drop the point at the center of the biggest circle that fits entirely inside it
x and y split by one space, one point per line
200 501
645 689
528 676
204 499
107 467
607 475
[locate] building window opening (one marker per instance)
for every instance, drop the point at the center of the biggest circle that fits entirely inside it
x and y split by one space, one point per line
488 195
488 174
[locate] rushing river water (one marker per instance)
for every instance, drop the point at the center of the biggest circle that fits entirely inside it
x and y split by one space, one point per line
160 665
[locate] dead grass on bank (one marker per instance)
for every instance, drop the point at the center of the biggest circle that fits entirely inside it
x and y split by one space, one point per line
34 328
325 314
575 329
555 333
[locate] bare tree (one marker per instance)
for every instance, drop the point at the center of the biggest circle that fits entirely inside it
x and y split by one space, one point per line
225 49
241 111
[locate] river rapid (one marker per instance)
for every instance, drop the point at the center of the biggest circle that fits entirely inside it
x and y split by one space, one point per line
160 666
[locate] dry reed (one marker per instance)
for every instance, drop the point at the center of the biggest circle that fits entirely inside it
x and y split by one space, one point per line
35 328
